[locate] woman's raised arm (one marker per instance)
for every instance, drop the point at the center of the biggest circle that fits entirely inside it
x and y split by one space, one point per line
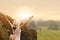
24 24
9 22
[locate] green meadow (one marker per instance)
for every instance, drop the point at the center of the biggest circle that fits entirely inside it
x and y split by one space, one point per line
46 34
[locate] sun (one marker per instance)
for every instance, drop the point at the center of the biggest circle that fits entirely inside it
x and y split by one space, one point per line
24 15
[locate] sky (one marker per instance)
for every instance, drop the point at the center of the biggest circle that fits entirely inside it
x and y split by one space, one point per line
44 9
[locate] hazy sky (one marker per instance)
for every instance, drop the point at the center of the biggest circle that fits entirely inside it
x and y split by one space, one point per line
45 9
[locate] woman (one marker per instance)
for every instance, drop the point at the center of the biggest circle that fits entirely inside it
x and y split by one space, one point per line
17 29
16 33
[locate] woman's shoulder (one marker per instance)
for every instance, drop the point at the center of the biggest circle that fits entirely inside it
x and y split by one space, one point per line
11 35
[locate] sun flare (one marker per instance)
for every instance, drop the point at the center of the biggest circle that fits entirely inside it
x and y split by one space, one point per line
24 15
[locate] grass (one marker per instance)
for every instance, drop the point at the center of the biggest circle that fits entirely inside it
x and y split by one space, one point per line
48 35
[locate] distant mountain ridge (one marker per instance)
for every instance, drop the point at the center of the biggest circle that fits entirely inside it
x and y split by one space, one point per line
48 23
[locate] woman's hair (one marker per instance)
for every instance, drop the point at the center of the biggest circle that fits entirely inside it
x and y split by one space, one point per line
14 28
